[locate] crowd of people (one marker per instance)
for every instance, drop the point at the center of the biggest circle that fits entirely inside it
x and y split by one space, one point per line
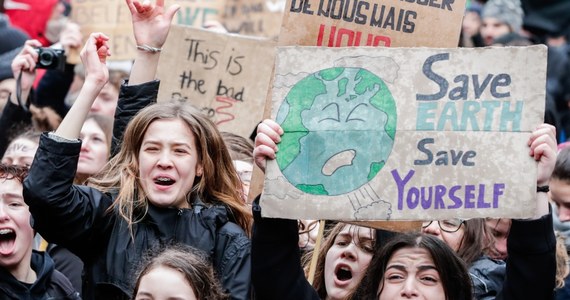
97 202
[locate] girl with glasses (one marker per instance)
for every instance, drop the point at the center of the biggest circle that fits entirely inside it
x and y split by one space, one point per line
471 241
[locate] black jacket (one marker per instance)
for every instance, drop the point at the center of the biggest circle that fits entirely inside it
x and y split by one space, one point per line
236 280
77 217
67 263
531 265
276 260
49 285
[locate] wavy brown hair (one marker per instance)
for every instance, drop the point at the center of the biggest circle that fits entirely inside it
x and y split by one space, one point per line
562 268
218 183
13 172
328 242
477 241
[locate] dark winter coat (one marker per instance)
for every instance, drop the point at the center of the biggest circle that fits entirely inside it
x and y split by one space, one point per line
77 217
487 276
276 260
531 265
49 285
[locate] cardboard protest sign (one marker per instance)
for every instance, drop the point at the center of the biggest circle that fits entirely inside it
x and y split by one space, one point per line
404 134
389 23
254 17
225 75
195 13
113 18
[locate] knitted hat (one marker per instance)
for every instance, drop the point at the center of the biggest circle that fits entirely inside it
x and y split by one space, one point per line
507 11
551 20
474 7
10 37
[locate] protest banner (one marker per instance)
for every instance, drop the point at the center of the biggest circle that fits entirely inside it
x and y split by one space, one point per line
113 18
195 13
391 23
225 75
405 133
254 17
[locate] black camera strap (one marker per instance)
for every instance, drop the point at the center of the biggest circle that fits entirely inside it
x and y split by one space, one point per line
19 93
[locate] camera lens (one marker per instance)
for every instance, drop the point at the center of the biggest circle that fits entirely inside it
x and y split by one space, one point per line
46 58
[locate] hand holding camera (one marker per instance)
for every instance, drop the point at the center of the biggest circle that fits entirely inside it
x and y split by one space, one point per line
33 56
24 67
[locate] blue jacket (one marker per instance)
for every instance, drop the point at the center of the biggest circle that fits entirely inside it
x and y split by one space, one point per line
487 276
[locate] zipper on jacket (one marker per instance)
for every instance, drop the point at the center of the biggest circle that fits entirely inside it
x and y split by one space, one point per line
180 212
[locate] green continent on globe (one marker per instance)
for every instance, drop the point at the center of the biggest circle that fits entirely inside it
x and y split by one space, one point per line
339 126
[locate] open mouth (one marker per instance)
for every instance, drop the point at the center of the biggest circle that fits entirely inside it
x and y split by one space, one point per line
343 273
164 181
337 161
7 239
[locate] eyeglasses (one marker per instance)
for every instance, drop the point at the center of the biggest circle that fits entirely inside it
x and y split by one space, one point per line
451 225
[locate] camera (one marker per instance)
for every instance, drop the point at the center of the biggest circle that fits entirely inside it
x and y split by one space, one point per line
49 58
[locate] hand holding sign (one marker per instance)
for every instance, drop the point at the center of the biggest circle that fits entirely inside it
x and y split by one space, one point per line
268 135
543 148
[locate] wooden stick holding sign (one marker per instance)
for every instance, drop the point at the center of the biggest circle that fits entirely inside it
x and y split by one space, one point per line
316 251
